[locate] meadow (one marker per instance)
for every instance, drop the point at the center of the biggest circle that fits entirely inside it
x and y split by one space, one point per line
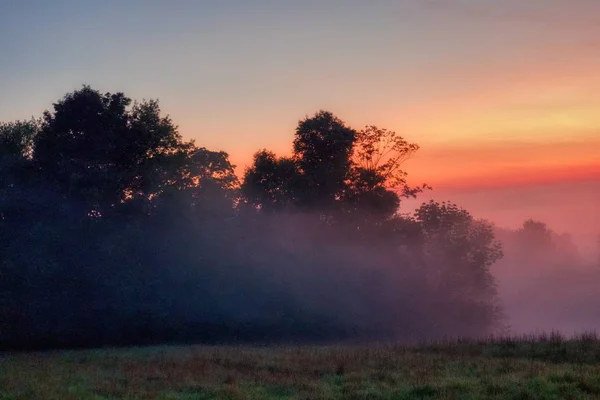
543 367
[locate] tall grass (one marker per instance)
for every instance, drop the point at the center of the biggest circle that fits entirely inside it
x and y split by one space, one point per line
546 366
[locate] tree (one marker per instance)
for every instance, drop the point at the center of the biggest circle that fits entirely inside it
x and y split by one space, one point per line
535 235
322 151
334 168
458 251
348 177
16 138
382 152
566 250
97 150
201 181
82 148
377 180
114 230
272 183
16 145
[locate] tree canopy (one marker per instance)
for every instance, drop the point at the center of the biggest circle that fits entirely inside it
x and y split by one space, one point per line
344 174
114 230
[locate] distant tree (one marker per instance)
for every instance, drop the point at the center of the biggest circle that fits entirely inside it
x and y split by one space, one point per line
458 252
535 235
566 251
449 228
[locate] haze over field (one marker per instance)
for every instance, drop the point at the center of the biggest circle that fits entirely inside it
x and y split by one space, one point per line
502 96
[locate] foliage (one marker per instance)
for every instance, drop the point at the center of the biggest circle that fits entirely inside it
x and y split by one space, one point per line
350 176
97 150
271 182
16 138
457 254
322 150
536 246
114 230
378 155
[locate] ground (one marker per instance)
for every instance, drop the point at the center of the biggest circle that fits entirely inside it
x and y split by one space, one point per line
541 368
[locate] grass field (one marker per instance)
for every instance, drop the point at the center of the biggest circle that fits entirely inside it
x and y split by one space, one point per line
546 367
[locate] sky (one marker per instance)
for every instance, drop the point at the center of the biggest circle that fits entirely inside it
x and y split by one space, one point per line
503 96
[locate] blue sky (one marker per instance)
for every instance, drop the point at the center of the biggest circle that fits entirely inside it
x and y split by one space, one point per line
239 74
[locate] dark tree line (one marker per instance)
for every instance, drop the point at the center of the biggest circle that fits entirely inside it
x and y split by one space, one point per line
115 230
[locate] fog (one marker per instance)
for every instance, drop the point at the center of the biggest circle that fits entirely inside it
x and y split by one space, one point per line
260 278
116 231
247 276
542 290
553 287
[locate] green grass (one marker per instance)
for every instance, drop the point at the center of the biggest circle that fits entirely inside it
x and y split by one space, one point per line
547 367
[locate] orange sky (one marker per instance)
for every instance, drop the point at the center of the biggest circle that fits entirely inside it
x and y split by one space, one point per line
524 127
527 126
503 96
535 119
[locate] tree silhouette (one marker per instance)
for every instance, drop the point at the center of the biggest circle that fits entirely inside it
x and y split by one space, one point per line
382 153
114 230
16 138
16 172
377 182
98 150
272 183
86 149
322 149
348 175
16 148
536 235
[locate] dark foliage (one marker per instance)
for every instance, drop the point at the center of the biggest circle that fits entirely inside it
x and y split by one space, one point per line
114 230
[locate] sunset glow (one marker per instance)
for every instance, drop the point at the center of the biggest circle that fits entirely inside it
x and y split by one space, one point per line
300 199
496 93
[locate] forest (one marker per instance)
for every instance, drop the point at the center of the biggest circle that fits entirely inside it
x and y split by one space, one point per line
115 230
